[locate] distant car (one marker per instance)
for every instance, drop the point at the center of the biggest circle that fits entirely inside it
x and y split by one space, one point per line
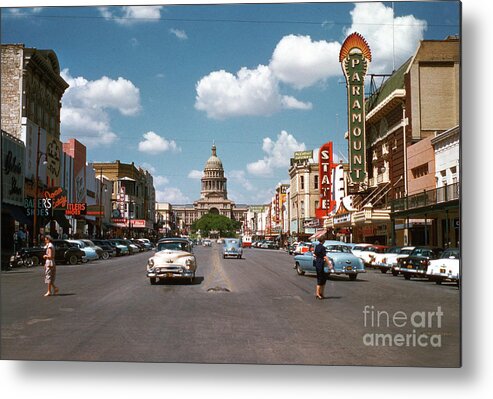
120 248
109 251
147 243
359 248
90 253
207 243
416 264
445 268
246 241
65 252
302 247
391 261
269 245
174 259
341 257
292 247
132 249
377 259
368 253
219 240
232 247
98 249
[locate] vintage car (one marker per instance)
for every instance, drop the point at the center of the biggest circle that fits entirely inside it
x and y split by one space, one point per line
378 258
207 243
357 249
269 245
90 253
65 252
146 242
391 261
119 247
368 254
132 249
174 259
232 247
340 255
97 248
106 247
416 264
445 268
302 247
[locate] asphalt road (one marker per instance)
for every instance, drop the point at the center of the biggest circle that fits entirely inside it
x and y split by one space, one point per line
256 310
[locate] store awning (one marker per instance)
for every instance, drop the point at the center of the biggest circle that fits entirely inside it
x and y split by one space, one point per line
18 213
59 216
318 234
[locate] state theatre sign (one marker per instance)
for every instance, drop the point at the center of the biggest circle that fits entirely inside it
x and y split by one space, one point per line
325 168
355 57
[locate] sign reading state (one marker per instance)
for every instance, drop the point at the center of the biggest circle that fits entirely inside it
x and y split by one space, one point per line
355 57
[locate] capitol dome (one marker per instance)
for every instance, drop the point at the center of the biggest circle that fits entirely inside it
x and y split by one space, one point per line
213 162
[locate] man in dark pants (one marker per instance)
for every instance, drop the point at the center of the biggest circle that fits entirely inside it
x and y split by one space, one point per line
320 254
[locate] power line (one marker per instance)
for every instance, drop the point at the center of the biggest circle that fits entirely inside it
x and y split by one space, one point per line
215 20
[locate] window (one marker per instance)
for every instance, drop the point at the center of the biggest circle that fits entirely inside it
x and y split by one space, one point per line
315 182
302 182
420 171
316 204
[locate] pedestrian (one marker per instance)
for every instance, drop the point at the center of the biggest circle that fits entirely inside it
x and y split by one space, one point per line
50 267
321 259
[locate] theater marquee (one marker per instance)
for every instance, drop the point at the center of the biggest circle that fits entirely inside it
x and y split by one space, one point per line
355 57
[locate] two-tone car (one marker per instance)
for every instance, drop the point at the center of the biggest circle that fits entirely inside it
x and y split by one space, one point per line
445 268
65 252
416 264
343 261
90 253
232 248
173 259
369 253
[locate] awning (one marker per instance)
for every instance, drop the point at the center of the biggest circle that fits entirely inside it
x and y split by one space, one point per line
59 216
318 234
18 213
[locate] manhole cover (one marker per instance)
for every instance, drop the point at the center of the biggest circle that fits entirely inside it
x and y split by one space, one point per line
218 289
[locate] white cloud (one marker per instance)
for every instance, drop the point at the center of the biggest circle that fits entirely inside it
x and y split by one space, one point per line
160 181
172 195
130 15
277 154
292 103
84 113
375 22
25 11
250 92
149 167
239 177
180 34
195 174
155 144
301 62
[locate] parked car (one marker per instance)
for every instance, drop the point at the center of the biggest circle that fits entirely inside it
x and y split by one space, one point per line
132 249
357 249
90 253
377 259
302 247
416 264
121 249
220 241
207 243
445 268
391 261
341 257
232 247
97 248
140 246
269 245
292 247
65 252
108 249
173 259
147 243
368 254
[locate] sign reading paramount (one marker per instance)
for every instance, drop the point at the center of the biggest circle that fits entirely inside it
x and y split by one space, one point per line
355 57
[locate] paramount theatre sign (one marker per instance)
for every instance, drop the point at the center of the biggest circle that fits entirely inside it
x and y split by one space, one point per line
355 57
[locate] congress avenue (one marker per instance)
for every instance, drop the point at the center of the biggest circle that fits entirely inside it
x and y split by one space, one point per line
254 310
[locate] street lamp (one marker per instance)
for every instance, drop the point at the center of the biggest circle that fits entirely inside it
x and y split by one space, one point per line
39 155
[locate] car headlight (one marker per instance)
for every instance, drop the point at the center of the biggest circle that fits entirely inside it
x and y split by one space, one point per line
189 263
150 264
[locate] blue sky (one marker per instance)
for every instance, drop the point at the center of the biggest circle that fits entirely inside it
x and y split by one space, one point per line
157 85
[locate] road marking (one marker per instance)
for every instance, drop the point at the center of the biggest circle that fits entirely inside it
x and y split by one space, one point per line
218 277
34 321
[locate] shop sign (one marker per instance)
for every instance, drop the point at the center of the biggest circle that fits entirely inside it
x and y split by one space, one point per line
13 152
343 218
325 167
311 223
303 155
119 220
58 196
76 209
257 209
355 56
44 206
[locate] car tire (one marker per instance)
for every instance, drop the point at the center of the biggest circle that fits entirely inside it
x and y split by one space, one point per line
353 277
153 280
84 260
383 271
105 255
299 270
33 261
407 276
72 260
395 273
438 282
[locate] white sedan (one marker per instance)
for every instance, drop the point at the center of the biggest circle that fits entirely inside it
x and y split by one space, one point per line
446 268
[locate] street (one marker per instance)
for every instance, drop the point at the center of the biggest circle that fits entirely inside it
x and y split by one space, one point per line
256 310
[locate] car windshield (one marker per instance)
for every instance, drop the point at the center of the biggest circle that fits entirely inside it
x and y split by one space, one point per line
406 251
452 253
173 246
88 243
231 242
357 248
338 248
393 250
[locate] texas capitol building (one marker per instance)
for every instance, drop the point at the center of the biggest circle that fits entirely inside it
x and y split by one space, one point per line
213 197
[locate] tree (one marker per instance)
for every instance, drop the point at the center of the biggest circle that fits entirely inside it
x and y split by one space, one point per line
222 224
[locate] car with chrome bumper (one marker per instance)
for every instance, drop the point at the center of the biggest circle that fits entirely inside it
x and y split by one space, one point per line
416 264
342 259
232 248
446 268
174 259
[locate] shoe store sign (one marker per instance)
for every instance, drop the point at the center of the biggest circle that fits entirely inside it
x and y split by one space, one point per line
355 57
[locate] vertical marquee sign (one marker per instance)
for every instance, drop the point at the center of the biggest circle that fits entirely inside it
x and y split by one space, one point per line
325 167
355 57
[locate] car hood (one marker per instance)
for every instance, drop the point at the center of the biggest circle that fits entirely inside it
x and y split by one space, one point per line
166 255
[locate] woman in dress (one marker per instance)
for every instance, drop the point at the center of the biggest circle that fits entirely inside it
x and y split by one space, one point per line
50 268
